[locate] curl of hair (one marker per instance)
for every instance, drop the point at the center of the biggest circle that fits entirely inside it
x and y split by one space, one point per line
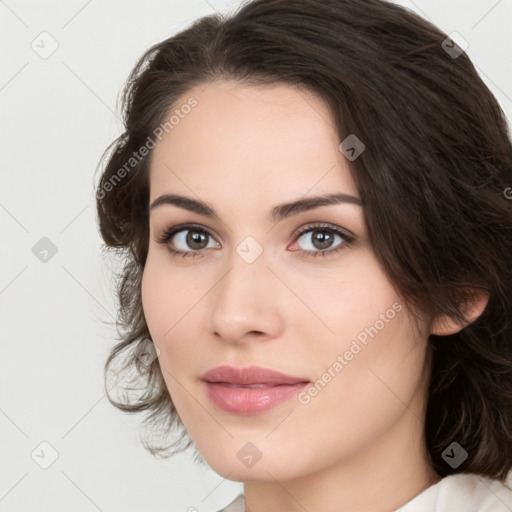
438 158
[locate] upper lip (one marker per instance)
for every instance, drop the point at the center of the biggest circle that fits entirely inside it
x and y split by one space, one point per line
249 375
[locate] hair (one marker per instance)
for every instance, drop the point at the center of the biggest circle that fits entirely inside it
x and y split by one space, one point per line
433 177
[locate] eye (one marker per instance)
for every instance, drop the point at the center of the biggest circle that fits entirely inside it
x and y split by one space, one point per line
319 239
185 238
191 240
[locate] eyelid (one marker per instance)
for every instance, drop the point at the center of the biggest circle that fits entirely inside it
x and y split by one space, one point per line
348 239
295 233
347 235
326 225
168 233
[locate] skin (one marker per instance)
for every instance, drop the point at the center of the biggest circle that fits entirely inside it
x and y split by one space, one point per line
358 442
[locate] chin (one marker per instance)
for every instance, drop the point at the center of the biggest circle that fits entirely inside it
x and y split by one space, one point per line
243 462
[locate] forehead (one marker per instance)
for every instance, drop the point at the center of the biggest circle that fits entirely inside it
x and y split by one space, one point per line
270 141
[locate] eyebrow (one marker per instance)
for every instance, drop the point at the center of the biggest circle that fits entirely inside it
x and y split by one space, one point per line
278 213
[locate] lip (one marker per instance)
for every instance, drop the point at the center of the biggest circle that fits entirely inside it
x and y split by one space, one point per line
250 390
249 375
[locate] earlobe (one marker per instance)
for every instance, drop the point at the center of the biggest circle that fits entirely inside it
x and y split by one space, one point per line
475 304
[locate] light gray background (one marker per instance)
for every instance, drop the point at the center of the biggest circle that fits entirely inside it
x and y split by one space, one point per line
57 116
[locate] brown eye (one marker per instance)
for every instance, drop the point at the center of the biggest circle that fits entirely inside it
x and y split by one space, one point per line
196 239
322 240
187 240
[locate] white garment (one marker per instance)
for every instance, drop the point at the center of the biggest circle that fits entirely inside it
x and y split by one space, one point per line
462 492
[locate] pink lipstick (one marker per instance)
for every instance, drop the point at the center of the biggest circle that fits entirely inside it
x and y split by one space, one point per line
250 390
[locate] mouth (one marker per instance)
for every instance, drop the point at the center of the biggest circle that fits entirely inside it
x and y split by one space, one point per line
250 386
249 391
250 399
250 376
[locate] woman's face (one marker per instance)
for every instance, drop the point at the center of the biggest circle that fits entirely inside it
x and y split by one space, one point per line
254 292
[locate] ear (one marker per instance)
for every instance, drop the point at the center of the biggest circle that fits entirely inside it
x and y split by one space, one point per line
474 306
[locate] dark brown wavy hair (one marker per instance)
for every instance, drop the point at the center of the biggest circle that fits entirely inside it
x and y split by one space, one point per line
434 179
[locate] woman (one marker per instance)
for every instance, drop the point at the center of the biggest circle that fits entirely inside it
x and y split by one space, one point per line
311 200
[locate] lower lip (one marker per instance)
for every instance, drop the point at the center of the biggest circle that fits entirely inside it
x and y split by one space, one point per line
246 401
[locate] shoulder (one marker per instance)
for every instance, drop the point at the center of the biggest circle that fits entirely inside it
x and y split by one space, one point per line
237 505
463 492
482 493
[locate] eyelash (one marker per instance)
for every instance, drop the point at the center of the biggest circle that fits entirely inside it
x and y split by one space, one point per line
169 233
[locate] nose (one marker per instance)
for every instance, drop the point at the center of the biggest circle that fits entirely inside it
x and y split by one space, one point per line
246 303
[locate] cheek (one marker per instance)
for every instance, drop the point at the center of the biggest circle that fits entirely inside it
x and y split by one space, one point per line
348 299
162 303
370 357
171 305
153 299
379 374
163 308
